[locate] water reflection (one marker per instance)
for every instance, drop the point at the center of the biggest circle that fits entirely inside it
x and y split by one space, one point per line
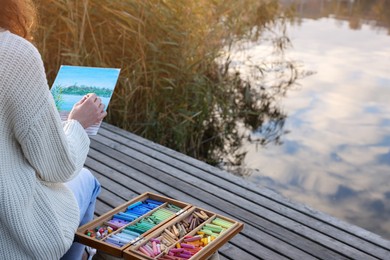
337 154
356 12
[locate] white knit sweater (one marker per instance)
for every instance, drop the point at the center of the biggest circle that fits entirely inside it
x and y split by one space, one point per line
38 214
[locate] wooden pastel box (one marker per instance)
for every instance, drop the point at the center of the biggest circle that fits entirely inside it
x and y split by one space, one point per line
164 230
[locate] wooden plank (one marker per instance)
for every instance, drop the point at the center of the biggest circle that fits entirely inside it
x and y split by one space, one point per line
231 252
304 209
116 172
272 231
222 257
101 207
304 217
248 245
119 191
268 216
108 198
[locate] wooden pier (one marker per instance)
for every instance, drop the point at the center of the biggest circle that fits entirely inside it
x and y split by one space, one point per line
275 227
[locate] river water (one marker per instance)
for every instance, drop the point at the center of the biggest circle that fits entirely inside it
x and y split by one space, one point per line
336 154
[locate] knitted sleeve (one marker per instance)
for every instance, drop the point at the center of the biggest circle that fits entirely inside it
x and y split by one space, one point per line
55 150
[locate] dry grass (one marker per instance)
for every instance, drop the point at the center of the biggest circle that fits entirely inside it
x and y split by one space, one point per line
171 89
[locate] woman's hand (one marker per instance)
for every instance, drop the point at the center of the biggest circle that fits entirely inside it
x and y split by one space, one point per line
88 111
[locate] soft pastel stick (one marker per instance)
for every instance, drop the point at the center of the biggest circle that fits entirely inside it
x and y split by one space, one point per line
154 201
194 238
134 204
143 250
154 245
149 249
186 245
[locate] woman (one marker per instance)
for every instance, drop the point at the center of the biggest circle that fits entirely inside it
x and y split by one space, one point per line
44 192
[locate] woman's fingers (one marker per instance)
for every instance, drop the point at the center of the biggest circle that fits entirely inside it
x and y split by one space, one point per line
90 110
102 115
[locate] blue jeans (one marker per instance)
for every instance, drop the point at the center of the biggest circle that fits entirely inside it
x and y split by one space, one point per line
85 188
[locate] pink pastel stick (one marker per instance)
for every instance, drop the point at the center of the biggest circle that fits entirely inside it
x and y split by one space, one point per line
187 246
185 256
144 251
149 249
194 238
176 250
154 245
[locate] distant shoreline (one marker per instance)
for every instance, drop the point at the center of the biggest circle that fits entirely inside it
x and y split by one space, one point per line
84 90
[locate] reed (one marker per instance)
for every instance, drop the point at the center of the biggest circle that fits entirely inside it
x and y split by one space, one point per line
171 89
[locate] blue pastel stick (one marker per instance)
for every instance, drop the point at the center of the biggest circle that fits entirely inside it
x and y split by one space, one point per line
123 217
128 215
135 204
154 201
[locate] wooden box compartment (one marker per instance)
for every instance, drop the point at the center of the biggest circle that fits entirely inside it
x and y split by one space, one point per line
88 233
182 216
177 238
